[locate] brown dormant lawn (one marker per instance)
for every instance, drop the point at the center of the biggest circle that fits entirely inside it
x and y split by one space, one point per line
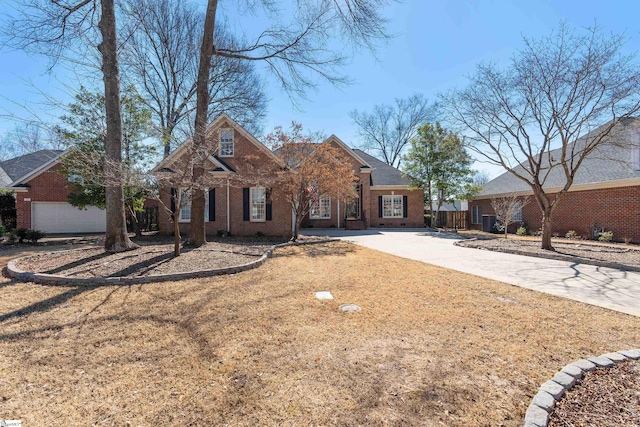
430 347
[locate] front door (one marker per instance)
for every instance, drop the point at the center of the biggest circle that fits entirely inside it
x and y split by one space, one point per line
352 209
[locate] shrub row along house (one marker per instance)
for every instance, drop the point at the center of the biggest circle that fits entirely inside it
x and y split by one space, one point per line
605 194
242 196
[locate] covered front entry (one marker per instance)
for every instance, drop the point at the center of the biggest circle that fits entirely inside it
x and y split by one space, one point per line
60 217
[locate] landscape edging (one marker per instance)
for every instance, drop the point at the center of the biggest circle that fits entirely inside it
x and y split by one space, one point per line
552 391
553 256
52 279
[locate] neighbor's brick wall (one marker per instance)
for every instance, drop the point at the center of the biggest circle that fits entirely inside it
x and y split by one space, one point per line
615 209
415 209
49 186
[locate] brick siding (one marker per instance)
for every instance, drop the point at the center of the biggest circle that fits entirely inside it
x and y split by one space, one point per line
614 209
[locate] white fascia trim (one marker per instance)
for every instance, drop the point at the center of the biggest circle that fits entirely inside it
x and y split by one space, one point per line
17 189
603 185
215 161
348 149
392 187
43 168
366 170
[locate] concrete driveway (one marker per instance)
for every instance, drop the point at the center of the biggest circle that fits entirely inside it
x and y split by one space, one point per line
605 287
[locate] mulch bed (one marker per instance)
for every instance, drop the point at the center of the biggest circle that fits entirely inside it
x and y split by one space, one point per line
144 261
612 254
604 398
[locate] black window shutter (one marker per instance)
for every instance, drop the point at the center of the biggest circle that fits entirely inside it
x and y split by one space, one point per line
379 206
174 193
245 204
405 210
212 204
268 211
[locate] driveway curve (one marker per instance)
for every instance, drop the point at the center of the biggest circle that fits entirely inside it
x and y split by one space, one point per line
604 287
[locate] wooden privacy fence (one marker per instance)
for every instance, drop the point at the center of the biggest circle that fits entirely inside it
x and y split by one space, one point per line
454 219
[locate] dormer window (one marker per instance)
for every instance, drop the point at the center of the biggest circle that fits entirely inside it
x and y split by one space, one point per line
226 143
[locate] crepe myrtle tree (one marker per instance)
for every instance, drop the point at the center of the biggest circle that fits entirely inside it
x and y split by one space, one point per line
507 209
298 47
313 170
528 116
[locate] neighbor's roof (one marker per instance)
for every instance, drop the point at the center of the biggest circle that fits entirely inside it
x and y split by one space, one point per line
608 163
383 174
19 167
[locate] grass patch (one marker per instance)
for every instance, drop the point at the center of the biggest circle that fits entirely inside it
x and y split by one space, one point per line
430 346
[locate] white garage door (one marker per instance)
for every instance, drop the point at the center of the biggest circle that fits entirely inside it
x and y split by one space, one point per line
64 218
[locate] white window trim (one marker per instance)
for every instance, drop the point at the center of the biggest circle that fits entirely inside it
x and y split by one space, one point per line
518 216
392 197
319 206
233 142
478 215
206 209
264 192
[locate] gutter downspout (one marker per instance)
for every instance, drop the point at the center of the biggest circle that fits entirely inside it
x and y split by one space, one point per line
228 219
338 213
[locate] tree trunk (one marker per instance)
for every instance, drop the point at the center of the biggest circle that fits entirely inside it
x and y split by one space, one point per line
134 222
198 234
296 228
546 230
176 235
116 239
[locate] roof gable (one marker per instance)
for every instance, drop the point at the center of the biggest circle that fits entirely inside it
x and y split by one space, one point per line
219 120
24 168
348 149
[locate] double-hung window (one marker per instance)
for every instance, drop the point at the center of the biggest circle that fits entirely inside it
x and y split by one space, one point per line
226 143
518 216
392 206
321 209
185 212
258 204
476 215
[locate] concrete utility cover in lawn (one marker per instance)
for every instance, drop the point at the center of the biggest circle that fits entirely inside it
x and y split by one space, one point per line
349 308
324 295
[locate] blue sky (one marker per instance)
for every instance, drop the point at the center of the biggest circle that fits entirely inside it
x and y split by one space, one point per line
437 44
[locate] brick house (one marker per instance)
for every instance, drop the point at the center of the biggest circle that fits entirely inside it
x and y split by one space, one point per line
605 193
41 196
243 196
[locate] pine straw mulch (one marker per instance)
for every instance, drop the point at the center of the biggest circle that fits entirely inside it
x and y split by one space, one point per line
586 251
431 347
608 397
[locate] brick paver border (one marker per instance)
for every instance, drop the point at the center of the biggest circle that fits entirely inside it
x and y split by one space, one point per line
553 390
52 279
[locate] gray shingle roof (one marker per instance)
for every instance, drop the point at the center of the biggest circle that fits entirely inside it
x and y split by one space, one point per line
611 161
20 166
383 174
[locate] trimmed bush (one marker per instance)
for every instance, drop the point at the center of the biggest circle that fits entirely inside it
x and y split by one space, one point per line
33 236
605 236
571 234
522 231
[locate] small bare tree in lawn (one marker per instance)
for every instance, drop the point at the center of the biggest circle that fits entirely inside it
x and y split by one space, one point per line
555 90
507 209
314 170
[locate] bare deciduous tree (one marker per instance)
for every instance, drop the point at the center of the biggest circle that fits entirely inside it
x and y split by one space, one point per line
297 52
161 58
51 27
507 209
555 89
389 129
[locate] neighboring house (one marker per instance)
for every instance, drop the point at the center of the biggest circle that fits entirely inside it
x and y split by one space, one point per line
605 193
41 196
242 195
